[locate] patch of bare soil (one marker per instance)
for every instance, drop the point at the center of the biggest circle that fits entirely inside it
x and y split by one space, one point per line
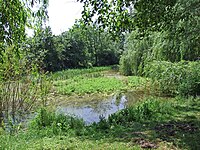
146 144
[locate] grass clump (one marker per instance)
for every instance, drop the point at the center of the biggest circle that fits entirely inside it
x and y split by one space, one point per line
137 82
151 109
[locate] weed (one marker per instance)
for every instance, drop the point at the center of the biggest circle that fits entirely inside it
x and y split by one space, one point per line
55 122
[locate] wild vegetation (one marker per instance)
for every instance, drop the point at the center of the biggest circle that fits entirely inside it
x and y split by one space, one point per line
97 82
151 48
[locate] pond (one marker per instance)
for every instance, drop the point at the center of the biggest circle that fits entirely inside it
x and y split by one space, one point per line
94 110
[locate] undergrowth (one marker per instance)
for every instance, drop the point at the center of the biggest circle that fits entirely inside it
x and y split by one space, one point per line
182 78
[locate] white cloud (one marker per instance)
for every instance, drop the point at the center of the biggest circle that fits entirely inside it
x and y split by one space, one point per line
62 14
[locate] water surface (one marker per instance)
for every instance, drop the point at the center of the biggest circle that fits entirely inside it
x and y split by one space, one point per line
93 110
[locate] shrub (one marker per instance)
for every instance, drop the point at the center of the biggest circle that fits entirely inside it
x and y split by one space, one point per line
22 85
182 78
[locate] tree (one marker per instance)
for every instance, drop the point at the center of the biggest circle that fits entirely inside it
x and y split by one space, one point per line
126 15
112 16
15 16
42 46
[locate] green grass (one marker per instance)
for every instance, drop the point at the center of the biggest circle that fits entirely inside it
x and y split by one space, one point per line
163 123
98 82
23 142
89 85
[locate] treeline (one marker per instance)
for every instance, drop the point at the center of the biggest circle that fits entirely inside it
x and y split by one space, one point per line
79 47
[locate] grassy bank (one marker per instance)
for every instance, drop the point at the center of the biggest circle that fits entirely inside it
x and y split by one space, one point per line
99 80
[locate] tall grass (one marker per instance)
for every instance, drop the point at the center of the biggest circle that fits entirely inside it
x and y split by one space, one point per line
55 123
66 74
21 86
151 109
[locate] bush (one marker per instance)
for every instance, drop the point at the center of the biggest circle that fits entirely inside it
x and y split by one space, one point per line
22 85
182 78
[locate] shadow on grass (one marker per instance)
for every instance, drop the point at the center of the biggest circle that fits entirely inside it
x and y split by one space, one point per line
182 131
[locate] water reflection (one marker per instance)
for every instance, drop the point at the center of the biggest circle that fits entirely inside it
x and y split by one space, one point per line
92 111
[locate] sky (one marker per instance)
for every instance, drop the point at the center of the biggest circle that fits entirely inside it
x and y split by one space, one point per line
62 14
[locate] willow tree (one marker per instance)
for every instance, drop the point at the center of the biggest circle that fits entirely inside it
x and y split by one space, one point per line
15 17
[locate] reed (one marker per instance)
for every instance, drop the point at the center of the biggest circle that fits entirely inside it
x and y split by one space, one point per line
21 86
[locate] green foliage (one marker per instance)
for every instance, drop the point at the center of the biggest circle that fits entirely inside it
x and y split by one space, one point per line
125 15
181 78
164 30
137 82
81 85
135 54
80 47
16 16
57 123
150 109
21 85
183 31
125 64
167 45
11 67
98 47
111 15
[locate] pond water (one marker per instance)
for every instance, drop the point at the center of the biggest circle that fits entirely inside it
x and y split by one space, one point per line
90 108
93 110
